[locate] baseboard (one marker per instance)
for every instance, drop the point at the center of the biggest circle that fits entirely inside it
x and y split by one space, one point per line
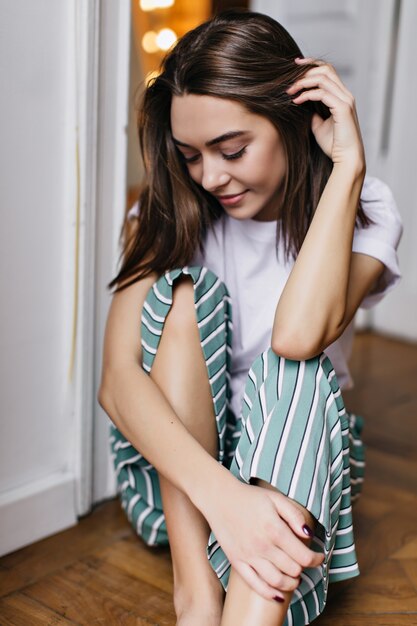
36 510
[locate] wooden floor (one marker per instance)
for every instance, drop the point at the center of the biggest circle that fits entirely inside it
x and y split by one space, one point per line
99 572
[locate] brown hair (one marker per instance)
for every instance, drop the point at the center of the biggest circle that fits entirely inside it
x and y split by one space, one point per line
242 56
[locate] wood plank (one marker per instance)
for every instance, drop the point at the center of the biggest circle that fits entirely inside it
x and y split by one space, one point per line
91 591
382 495
385 589
31 563
409 566
390 469
379 541
135 559
396 619
19 610
408 551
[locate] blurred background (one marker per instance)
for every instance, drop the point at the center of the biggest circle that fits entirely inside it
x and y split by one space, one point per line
70 169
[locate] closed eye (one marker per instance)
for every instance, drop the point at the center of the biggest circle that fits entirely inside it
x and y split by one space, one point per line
190 159
236 155
227 157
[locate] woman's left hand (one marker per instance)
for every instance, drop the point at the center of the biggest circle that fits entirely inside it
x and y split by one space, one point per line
339 135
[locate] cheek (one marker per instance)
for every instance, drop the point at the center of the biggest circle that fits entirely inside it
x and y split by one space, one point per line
194 172
277 165
267 168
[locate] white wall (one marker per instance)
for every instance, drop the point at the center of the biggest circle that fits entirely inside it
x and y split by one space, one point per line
37 166
64 75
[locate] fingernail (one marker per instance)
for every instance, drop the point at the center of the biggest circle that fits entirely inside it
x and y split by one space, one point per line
278 599
307 531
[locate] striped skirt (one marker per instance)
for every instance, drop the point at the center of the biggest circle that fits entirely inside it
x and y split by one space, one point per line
293 432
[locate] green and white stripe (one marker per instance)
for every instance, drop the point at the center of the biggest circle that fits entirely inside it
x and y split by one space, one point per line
294 432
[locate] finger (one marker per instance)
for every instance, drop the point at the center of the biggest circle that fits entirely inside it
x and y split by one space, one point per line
286 533
327 68
330 72
274 577
252 578
291 514
285 539
321 95
306 60
324 82
284 562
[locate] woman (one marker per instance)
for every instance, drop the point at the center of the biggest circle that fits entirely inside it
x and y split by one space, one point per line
232 443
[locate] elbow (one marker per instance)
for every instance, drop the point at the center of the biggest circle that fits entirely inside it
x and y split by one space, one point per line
302 339
301 345
104 395
296 346
106 401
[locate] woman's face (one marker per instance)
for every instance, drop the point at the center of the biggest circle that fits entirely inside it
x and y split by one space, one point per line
234 154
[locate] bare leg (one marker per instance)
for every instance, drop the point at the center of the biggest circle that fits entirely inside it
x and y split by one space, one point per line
246 607
180 371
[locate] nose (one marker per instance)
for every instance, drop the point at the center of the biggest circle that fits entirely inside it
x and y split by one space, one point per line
214 176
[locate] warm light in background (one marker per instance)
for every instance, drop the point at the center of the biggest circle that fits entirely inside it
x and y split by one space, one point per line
150 5
154 42
156 31
149 43
165 38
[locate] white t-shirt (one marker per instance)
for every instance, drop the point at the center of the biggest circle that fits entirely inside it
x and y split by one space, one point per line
242 253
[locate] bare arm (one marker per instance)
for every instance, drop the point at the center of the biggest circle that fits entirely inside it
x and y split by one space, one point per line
327 282
139 409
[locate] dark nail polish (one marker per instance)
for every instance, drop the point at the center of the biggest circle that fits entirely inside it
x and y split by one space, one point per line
307 531
278 599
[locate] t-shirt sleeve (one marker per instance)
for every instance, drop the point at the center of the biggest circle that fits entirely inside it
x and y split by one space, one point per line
381 238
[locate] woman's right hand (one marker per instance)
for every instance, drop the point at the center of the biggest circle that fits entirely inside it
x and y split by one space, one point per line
260 531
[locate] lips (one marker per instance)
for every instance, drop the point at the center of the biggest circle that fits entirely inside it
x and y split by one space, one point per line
231 199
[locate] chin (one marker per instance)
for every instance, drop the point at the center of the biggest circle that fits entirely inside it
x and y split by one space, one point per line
238 214
241 212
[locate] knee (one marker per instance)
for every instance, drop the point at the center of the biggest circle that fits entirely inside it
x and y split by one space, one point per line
179 303
181 316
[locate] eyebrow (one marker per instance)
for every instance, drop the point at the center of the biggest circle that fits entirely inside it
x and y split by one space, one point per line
225 137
